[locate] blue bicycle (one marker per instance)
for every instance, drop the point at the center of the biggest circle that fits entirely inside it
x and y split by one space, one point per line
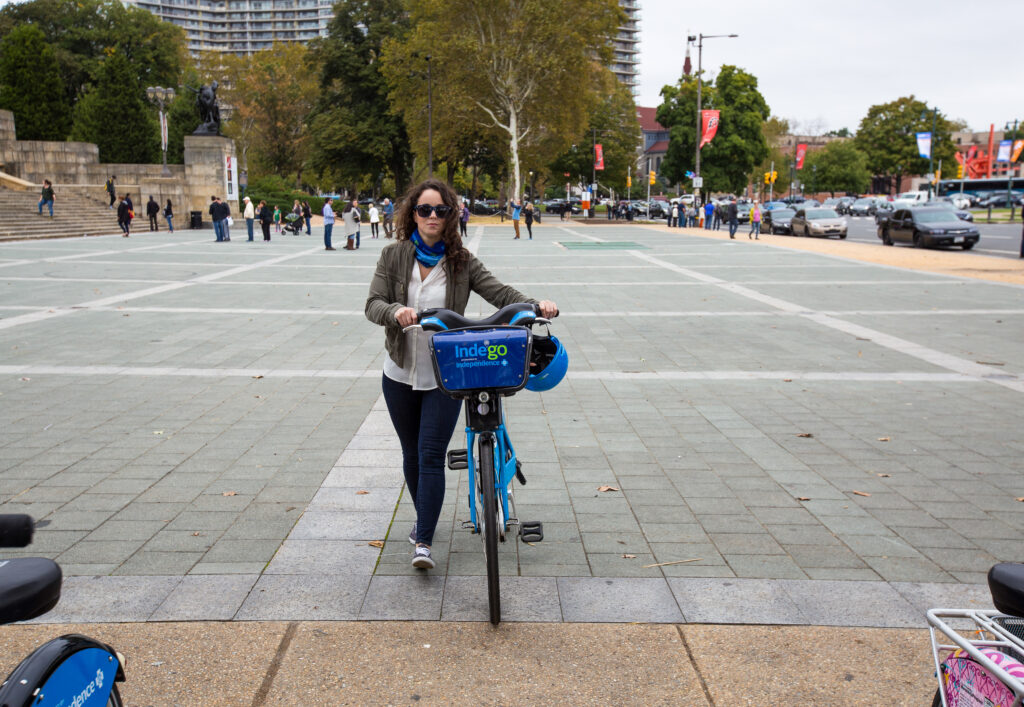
481 361
69 670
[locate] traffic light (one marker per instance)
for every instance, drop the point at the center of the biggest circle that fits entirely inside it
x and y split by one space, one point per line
652 177
775 175
767 177
959 171
629 182
938 176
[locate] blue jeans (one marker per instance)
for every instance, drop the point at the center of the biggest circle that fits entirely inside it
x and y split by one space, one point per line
248 226
308 232
218 230
755 228
328 228
424 421
733 225
707 222
170 223
48 203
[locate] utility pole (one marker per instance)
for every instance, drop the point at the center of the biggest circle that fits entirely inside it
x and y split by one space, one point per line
430 120
700 63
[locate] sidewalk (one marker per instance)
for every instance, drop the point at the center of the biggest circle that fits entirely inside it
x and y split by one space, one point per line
806 451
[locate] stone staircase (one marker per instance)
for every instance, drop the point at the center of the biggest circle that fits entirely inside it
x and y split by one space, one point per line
73 215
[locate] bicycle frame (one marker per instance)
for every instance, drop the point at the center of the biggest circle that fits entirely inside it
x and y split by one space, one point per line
504 460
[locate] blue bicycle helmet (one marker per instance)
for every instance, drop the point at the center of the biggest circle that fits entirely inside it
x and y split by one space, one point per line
548 364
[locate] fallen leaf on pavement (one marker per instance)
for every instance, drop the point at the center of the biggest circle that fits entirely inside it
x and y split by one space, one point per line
1020 498
630 557
362 493
607 488
230 493
257 377
195 534
805 434
787 380
861 493
884 476
802 498
884 439
158 432
376 543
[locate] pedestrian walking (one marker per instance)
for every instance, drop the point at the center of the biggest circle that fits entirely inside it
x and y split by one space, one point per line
517 210
709 214
169 216
307 214
110 189
374 221
464 219
719 216
266 217
297 213
733 214
328 213
389 218
277 219
528 212
674 215
46 197
218 214
755 221
350 220
124 220
153 211
428 266
249 214
131 206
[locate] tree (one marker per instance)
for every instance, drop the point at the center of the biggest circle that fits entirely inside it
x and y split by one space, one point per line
83 32
272 93
30 86
116 116
353 130
519 67
739 144
887 138
841 166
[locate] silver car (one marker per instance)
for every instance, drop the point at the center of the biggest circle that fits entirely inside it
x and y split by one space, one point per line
818 222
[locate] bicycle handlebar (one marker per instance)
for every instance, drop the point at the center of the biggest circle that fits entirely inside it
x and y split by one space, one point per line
16 530
518 313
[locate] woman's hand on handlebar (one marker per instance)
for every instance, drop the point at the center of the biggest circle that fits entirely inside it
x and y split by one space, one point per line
548 309
406 316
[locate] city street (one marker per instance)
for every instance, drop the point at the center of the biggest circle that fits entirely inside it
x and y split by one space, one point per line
998 239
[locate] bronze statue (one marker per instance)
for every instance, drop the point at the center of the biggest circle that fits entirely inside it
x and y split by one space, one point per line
209 111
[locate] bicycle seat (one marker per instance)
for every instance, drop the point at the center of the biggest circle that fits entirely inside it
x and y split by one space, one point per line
439 319
1006 582
29 587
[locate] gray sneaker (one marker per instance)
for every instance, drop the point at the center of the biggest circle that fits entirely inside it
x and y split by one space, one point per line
421 558
412 534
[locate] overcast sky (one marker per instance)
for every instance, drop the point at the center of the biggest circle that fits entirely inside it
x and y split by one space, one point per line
823 64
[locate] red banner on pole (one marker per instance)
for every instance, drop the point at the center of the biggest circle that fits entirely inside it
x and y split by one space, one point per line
598 157
709 126
801 152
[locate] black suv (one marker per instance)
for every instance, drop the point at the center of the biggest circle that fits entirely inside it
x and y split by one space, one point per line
927 227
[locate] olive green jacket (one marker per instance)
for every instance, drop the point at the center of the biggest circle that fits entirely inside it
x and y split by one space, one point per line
390 285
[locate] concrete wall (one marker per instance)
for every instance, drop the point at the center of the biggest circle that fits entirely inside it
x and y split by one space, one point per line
74 167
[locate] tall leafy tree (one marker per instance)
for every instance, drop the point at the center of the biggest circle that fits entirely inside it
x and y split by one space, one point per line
739 144
117 117
30 86
887 136
84 31
527 69
353 131
773 129
839 166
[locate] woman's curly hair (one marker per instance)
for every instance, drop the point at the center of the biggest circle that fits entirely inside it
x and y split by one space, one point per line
405 219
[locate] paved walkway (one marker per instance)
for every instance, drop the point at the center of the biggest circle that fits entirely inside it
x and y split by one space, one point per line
196 424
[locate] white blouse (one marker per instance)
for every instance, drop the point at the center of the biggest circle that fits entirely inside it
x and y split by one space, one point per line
417 369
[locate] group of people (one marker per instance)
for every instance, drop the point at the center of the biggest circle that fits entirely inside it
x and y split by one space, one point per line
711 216
520 211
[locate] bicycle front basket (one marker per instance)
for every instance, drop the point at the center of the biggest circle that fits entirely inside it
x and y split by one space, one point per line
492 358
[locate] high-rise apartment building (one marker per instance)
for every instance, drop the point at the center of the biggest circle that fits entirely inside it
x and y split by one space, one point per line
626 63
242 26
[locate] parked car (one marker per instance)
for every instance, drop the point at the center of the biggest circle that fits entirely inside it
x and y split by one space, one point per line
927 227
817 222
960 201
863 207
778 220
1000 200
961 214
770 205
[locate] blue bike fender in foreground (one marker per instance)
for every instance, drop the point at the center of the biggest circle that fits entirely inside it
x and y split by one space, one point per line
72 671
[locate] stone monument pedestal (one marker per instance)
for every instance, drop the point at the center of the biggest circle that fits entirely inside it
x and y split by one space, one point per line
211 169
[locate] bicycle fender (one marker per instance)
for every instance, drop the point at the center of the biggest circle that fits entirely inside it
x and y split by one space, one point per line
72 670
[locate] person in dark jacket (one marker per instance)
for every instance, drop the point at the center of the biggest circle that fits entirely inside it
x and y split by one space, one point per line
266 217
152 210
732 214
307 214
124 219
169 215
46 197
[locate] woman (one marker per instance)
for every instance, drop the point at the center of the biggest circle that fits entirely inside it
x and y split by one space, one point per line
307 214
266 217
124 219
528 217
755 221
374 220
464 219
350 219
427 266
277 220
169 215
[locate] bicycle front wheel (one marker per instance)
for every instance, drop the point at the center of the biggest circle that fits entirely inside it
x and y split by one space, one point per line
489 523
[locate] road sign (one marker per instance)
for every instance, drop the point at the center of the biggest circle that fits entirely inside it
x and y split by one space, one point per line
698 182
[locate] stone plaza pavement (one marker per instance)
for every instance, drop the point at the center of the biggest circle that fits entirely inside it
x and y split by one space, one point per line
790 437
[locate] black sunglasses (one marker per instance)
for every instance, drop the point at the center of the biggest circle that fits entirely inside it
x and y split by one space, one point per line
423 210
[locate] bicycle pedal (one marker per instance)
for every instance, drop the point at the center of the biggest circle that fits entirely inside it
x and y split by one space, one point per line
458 459
531 531
519 473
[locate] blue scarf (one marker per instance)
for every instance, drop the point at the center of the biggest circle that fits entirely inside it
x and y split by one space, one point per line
428 255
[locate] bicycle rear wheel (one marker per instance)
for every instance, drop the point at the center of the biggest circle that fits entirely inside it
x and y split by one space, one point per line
489 523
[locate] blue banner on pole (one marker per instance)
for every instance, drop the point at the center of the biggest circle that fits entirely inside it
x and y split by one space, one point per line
924 144
1004 151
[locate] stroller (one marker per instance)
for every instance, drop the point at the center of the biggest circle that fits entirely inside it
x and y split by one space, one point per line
293 224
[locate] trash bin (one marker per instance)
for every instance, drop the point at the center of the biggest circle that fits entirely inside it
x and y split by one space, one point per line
196 220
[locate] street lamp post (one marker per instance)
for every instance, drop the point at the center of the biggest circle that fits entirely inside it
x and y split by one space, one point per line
160 96
430 119
931 147
700 48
